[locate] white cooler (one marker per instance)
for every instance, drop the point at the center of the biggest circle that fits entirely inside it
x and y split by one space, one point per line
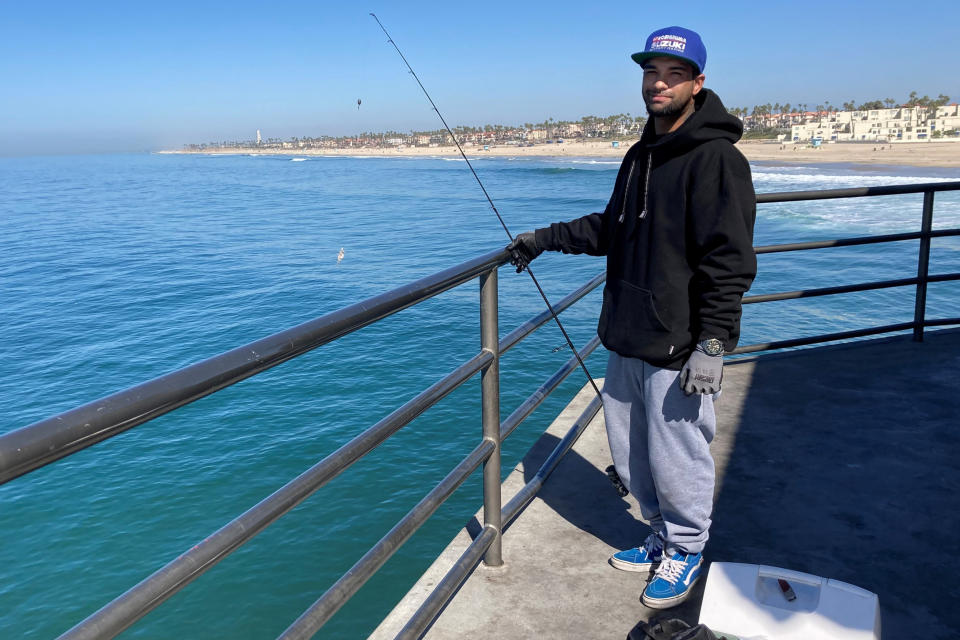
749 602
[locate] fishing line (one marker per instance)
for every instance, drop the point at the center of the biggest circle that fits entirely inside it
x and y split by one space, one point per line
492 206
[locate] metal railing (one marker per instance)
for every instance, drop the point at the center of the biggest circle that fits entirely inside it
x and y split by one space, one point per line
41 443
925 235
33 446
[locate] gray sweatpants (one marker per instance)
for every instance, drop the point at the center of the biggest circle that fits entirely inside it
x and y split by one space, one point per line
659 438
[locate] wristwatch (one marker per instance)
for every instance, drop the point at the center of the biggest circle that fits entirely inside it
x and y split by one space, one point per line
711 347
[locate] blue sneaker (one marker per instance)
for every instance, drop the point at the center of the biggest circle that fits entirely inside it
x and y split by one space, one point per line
644 558
672 583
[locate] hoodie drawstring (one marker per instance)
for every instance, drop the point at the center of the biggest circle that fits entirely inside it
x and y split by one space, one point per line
626 189
646 188
646 185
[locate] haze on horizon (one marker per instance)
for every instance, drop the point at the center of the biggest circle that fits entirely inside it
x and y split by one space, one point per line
111 76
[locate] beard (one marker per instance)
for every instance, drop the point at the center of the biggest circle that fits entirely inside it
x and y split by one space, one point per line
665 109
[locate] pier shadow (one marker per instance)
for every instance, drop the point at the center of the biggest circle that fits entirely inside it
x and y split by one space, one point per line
842 463
590 503
837 461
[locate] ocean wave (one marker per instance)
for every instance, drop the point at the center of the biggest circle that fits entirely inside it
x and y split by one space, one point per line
779 177
298 159
858 215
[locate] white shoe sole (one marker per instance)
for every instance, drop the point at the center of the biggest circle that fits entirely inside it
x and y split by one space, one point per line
623 565
667 603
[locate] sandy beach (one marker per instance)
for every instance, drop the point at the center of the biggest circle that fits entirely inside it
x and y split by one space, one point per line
917 154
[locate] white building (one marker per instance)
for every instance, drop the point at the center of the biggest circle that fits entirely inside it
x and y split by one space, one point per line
899 124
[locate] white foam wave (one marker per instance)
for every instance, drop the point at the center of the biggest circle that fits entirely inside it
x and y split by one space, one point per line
298 159
867 215
859 180
609 162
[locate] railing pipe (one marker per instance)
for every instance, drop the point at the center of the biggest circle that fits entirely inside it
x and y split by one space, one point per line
522 331
856 192
852 242
942 322
923 265
827 337
827 291
431 607
44 442
343 589
154 590
530 489
537 397
425 615
490 411
943 277
444 591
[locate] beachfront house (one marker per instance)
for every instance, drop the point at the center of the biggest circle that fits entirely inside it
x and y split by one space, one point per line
899 124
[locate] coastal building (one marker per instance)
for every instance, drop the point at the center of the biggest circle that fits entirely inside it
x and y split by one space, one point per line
897 124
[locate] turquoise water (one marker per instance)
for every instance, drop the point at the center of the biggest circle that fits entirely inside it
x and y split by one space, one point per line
117 269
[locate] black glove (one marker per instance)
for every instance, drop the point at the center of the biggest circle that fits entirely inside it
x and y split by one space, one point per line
701 373
523 250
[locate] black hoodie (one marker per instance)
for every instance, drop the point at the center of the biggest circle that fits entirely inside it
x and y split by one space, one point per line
678 236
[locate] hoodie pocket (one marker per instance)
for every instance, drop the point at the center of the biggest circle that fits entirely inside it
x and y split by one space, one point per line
631 325
629 319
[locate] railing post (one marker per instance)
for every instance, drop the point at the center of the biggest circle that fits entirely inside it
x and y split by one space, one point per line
923 265
490 389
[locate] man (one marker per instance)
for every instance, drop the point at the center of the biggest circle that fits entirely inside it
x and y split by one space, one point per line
678 237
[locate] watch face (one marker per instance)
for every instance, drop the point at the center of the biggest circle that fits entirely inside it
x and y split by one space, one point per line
712 347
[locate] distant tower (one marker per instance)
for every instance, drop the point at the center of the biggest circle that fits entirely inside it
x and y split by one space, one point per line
258 137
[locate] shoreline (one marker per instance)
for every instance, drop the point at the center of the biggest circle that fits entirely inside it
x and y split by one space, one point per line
915 154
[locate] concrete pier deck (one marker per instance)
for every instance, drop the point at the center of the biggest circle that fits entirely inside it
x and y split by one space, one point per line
840 461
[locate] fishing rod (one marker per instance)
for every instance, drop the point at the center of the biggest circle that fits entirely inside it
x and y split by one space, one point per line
492 206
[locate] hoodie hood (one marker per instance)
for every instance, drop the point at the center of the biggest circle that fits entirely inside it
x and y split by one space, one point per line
709 121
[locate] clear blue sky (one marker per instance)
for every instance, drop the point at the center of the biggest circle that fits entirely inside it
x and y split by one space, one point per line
113 76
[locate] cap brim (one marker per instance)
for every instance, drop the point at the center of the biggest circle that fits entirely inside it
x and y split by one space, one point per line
642 56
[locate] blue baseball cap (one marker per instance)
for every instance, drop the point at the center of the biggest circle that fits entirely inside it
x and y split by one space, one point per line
675 42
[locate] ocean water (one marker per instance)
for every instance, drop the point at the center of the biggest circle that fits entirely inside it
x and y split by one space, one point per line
117 269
